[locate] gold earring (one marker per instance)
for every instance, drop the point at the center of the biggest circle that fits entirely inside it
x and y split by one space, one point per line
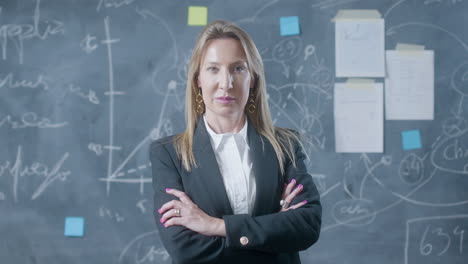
251 106
199 100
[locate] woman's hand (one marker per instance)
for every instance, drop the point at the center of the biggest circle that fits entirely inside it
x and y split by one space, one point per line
190 216
289 193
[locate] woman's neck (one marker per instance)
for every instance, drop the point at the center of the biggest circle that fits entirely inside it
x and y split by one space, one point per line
222 125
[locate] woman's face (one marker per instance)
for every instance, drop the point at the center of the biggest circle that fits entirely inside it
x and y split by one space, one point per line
224 78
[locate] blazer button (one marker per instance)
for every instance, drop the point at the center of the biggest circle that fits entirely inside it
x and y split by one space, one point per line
244 240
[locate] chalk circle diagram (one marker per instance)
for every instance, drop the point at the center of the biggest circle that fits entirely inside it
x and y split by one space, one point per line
411 169
459 80
299 103
459 83
142 250
446 160
287 49
450 154
354 212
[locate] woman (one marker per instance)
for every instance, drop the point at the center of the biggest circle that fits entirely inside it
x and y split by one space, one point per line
223 188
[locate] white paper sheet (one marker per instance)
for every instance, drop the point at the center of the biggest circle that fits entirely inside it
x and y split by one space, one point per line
358 116
359 48
409 86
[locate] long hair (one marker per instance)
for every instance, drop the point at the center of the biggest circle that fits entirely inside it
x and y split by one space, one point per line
282 140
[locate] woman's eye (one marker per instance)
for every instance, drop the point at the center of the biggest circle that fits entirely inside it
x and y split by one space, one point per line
212 69
239 68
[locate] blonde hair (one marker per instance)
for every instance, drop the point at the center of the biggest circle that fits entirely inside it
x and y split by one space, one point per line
281 139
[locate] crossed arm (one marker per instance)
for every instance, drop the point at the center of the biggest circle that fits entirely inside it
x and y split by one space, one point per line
195 237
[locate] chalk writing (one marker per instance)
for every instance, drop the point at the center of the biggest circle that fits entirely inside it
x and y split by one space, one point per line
142 250
98 148
90 95
48 175
17 33
411 169
9 81
323 4
88 44
110 214
29 119
153 255
434 239
141 205
454 2
451 153
345 210
113 3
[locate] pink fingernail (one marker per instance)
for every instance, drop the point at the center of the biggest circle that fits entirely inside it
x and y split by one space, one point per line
299 186
292 180
167 189
165 225
304 202
160 220
159 210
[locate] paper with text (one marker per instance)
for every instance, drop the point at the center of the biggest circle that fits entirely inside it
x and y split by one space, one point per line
359 48
409 85
358 116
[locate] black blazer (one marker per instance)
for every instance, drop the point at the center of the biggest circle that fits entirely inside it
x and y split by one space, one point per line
273 236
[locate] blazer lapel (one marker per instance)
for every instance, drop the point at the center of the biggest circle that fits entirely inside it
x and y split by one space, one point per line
208 168
266 171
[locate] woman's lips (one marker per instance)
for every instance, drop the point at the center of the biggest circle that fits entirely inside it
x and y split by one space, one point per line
225 99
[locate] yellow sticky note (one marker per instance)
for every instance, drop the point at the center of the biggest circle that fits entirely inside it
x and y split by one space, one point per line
197 15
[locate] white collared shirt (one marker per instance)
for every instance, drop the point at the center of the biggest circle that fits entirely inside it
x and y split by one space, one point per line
233 157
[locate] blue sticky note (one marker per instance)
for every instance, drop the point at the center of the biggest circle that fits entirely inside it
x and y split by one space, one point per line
411 139
74 226
289 26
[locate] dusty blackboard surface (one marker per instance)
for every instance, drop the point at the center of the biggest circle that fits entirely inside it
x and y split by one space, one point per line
86 85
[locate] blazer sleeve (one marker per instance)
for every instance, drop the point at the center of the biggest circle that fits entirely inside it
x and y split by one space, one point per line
281 232
182 244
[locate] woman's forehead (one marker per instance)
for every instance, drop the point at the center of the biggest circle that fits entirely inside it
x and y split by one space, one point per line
223 50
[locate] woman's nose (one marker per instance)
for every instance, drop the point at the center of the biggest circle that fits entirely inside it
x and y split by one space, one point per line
226 80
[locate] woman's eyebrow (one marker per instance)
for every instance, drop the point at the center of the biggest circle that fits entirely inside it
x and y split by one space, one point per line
236 62
240 62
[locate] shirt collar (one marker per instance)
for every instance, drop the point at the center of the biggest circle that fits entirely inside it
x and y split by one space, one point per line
217 139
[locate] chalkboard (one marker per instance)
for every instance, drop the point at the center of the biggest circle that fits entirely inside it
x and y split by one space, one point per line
85 86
